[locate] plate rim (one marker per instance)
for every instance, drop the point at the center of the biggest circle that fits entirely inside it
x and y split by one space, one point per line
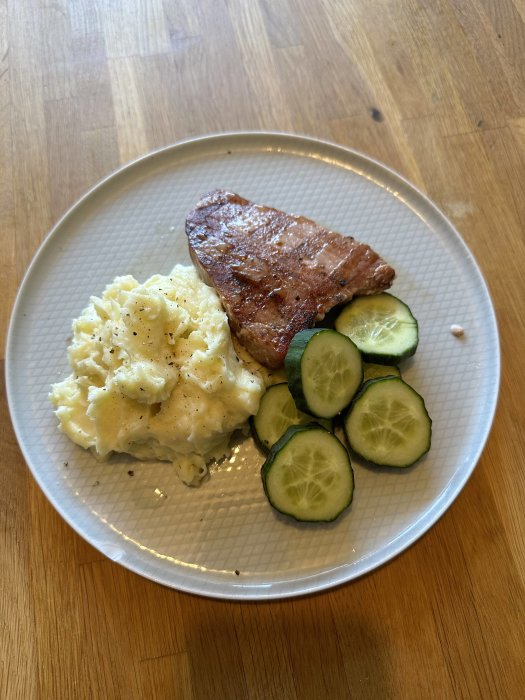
327 578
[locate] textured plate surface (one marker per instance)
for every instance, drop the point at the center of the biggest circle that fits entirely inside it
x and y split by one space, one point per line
223 539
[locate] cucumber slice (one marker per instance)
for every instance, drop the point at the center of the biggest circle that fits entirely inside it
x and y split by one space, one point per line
388 423
382 327
277 412
308 475
324 370
373 371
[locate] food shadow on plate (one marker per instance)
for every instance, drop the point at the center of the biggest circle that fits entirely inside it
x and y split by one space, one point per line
312 526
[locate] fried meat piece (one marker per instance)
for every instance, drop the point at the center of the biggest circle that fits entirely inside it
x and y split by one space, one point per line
276 273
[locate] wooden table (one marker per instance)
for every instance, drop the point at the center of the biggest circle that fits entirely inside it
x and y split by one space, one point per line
436 90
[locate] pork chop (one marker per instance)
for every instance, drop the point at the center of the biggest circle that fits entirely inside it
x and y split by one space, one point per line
276 273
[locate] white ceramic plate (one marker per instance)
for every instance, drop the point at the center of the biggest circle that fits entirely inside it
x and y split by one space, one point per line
223 539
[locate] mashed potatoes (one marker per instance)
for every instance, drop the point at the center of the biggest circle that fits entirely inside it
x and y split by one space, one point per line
155 374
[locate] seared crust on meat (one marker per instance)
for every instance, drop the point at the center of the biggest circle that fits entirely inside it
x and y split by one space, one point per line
276 273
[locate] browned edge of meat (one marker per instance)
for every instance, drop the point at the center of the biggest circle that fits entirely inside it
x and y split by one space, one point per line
276 273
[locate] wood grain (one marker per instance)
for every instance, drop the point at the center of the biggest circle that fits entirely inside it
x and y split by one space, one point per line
436 90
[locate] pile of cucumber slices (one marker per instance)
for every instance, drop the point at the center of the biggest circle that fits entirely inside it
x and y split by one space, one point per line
341 380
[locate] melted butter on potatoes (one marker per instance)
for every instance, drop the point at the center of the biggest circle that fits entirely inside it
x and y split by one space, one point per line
155 374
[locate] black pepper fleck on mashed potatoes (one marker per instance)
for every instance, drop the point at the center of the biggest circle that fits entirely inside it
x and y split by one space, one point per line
155 374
